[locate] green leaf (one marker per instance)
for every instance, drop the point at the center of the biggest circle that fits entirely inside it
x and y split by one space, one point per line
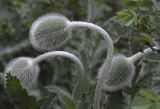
143 103
67 101
132 3
125 17
150 95
147 5
144 38
121 15
140 101
146 106
155 106
19 95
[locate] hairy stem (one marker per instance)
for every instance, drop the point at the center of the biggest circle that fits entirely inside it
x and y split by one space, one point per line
140 55
72 58
106 65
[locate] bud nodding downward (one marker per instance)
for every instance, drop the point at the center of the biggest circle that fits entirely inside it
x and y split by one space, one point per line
120 74
48 32
59 35
24 69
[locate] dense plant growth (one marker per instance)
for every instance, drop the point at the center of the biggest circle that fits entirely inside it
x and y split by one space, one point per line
126 33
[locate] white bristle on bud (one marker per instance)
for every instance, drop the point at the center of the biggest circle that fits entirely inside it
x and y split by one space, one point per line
120 74
24 69
48 32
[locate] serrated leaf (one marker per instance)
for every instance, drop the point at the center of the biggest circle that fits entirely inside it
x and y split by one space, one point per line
19 95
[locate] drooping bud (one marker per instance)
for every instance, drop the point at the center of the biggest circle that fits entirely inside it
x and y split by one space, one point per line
24 69
48 32
120 74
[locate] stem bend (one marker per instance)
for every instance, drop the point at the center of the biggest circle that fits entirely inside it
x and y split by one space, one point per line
108 60
69 56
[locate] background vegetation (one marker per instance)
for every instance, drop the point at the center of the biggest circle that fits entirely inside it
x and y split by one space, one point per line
132 24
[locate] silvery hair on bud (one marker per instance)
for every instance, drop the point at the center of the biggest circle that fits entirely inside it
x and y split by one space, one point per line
120 74
24 70
49 32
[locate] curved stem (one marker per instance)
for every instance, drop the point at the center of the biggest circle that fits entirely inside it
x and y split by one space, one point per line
106 65
69 56
11 50
140 55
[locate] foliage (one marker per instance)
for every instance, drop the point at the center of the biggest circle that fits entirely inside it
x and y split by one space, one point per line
132 24
19 95
146 100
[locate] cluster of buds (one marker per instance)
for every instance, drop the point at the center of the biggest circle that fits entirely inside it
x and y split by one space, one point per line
51 32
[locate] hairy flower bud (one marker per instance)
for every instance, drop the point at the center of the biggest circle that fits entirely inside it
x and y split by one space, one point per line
52 31
48 32
24 70
120 74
